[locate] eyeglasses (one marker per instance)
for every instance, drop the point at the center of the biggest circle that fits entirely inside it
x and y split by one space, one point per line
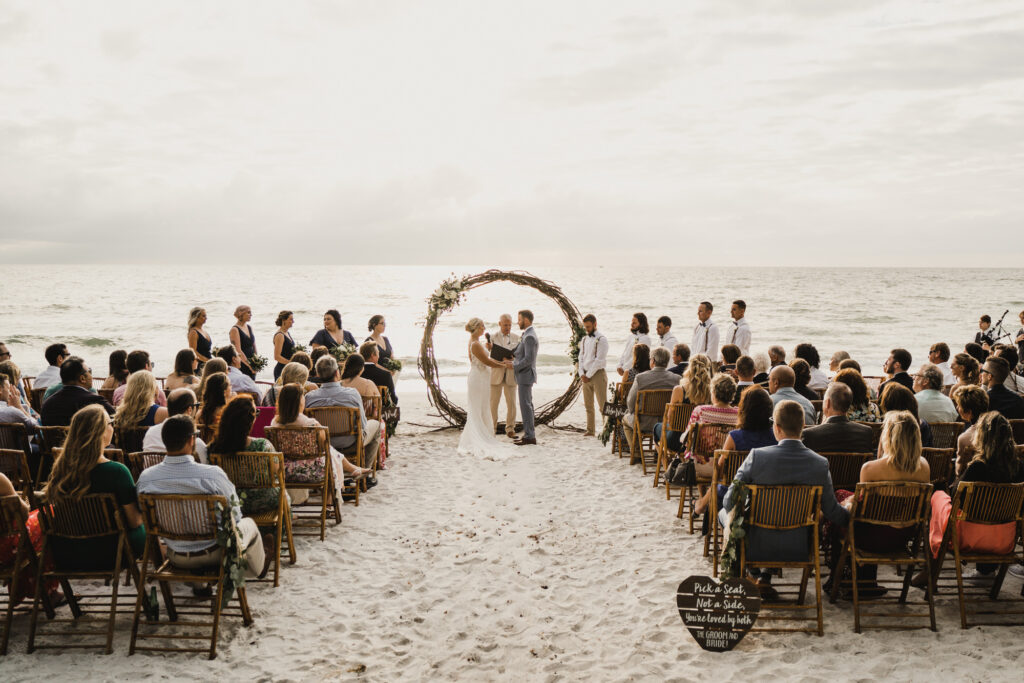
983 371
5 354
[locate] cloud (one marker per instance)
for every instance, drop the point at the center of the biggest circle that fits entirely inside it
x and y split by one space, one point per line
120 45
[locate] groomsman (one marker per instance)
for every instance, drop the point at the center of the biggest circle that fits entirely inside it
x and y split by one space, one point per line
638 331
503 380
593 358
705 334
665 337
740 332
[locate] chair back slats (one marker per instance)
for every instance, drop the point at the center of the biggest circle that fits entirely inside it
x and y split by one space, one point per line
677 416
339 420
783 507
818 407
143 460
249 469
12 516
300 443
52 437
894 504
129 439
107 394
844 468
181 517
90 516
36 398
709 438
945 434
372 406
14 465
622 391
14 435
652 402
727 471
940 462
985 503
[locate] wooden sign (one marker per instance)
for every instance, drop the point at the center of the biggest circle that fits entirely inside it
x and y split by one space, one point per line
614 410
391 414
718 614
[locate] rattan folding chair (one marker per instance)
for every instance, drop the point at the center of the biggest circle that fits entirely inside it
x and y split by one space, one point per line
618 435
14 465
724 473
113 454
675 419
783 508
844 468
818 408
142 460
989 505
941 463
343 421
299 444
36 398
945 434
92 516
373 408
107 394
704 441
1018 430
14 436
876 433
49 439
12 524
129 439
893 505
257 470
649 403
182 518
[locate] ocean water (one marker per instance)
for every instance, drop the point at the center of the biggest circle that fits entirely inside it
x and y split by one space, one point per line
96 309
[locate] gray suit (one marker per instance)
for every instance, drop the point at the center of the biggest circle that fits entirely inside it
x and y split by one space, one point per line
791 394
839 435
524 362
788 463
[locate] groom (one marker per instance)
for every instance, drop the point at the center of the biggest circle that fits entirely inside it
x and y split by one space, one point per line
524 364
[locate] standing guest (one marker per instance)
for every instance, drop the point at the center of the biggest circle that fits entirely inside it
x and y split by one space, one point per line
836 433
213 367
216 394
331 393
378 375
198 340
896 366
243 339
665 337
966 370
293 373
739 334
284 345
938 355
137 408
55 354
836 361
745 372
377 325
11 408
932 404
898 397
657 377
976 352
762 364
593 358
971 403
983 337
503 379
179 402
819 380
705 334
333 334
76 377
240 382
730 354
680 359
1001 399
641 361
184 375
781 381
139 361
638 334
117 370
802 372
862 409
1018 338
352 377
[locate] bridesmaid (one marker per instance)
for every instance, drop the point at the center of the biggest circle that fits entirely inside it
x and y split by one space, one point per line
243 339
376 327
333 334
198 340
284 345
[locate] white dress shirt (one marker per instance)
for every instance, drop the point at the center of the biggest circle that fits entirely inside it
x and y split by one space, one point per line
154 442
819 380
705 340
947 374
668 340
507 341
593 354
626 359
739 334
242 383
49 376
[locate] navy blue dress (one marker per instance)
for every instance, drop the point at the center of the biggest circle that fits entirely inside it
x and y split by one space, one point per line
204 346
324 338
248 344
287 349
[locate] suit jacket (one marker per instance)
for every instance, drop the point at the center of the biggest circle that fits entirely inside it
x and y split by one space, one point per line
999 398
655 378
382 378
838 434
679 369
59 408
788 463
900 378
504 375
524 360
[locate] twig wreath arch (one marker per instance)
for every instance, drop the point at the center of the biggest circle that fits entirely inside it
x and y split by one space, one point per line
450 294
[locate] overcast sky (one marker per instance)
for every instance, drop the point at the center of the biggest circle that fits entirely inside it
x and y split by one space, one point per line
815 132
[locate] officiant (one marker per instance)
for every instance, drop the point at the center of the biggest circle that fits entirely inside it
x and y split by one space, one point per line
503 380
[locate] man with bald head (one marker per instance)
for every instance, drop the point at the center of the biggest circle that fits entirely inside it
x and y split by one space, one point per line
781 381
179 402
836 434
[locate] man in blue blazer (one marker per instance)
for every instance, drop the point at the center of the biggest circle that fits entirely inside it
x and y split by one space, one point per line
788 463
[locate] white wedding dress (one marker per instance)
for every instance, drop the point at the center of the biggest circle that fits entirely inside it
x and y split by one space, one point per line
478 433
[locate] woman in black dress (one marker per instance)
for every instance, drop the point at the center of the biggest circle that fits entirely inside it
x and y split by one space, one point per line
284 345
243 339
198 340
377 326
333 334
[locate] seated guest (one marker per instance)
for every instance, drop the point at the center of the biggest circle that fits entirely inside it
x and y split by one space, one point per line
137 408
777 356
314 357
138 361
788 463
938 355
762 364
332 334
850 363
932 404
807 352
331 393
13 373
1014 382
745 372
836 434
971 403
694 388
1001 399
898 397
82 469
680 359
303 359
9 552
657 377
835 362
976 352
216 394
184 375
55 354
780 385
180 474
241 383
179 402
212 367
117 370
374 372
377 326
641 361
720 412
896 367
11 408
352 377
293 373
730 354
861 407
802 379
76 377
966 371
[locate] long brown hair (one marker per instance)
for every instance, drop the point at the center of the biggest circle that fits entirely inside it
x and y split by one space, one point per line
288 399
756 408
641 358
82 450
853 379
211 367
235 424
994 445
213 397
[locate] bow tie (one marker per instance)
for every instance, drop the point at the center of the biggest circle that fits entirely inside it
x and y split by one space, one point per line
703 324
591 334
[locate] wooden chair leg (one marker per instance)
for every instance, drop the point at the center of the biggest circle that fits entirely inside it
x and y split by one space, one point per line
837 573
817 595
997 585
216 614
960 585
856 595
930 589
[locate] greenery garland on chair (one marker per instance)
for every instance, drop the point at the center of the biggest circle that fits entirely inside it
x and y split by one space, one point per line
731 550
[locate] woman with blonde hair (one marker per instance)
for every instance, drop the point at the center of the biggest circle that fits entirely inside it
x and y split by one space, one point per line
198 340
478 433
137 408
293 373
243 339
693 388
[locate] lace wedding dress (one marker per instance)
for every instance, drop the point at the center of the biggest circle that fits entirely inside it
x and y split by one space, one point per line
478 433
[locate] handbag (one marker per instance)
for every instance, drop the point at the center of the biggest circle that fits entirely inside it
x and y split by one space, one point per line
681 472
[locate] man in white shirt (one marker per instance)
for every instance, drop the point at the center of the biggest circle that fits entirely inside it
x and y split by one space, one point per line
180 402
932 405
740 332
938 355
593 358
638 334
55 355
503 380
705 334
665 337
241 383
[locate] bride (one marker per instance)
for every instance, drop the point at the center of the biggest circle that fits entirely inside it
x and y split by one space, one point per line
478 433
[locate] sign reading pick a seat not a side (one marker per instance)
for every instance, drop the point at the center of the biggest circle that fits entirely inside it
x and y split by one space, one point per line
718 614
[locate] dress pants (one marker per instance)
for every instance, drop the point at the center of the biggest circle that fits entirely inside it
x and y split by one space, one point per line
597 388
526 407
509 390
371 444
254 552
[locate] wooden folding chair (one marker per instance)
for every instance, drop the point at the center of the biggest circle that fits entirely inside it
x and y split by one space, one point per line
107 394
818 407
305 444
129 439
675 419
945 434
876 433
989 505
941 463
113 454
649 403
14 465
373 408
49 439
142 460
1018 430
182 518
14 436
784 508
618 435
704 440
12 525
257 470
895 506
844 468
91 517
344 421
27 383
35 398
724 473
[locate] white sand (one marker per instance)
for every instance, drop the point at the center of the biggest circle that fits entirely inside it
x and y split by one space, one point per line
559 565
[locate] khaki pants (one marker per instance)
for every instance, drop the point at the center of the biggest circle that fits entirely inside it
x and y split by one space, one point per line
596 387
254 553
371 444
510 406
